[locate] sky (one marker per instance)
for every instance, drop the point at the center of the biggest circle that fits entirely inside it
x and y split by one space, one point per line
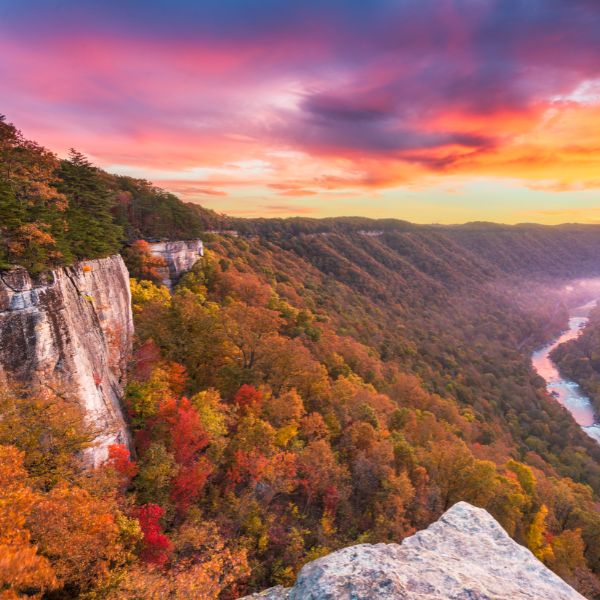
439 111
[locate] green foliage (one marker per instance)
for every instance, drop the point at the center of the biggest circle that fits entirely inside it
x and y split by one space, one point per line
157 468
92 232
145 211
54 212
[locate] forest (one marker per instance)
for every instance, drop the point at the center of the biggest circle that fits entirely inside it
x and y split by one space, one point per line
54 212
307 386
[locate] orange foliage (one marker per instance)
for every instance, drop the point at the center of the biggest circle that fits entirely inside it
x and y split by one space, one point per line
79 534
21 567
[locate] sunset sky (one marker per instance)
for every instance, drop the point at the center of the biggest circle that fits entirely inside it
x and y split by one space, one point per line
425 110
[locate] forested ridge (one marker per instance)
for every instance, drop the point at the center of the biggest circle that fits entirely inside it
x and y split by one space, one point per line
54 212
309 385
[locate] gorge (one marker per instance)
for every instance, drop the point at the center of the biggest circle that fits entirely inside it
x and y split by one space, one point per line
312 389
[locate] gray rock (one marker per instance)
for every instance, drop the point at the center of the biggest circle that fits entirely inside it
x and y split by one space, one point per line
71 329
180 257
466 555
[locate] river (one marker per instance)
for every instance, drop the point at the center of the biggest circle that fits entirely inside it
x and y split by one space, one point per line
568 393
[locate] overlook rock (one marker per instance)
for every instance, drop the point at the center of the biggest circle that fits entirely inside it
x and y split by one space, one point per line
465 555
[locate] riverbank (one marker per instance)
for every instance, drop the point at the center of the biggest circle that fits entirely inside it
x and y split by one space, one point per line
568 392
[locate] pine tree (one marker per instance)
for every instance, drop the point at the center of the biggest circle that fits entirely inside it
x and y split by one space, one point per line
91 229
12 215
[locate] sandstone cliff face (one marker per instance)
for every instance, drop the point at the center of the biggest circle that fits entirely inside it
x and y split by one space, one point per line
466 555
72 329
180 257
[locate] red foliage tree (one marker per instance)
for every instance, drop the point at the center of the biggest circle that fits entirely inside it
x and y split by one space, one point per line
119 459
156 544
185 429
189 483
180 427
249 399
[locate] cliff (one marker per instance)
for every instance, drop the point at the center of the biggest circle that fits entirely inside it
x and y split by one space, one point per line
465 555
72 329
179 256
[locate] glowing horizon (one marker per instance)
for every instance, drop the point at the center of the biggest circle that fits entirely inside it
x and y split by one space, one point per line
425 110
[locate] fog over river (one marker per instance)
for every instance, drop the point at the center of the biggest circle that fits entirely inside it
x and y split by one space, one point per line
568 393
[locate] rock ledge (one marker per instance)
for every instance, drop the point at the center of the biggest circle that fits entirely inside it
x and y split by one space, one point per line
466 555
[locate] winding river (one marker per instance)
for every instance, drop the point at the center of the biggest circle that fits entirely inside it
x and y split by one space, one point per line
568 393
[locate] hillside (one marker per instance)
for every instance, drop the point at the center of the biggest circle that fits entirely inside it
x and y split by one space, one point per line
312 343
439 310
54 212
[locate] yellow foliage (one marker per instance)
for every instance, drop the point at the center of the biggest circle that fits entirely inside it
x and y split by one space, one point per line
535 536
203 568
285 435
144 292
328 522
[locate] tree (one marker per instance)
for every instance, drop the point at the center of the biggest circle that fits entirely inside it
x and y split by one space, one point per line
567 553
22 569
181 424
247 328
79 534
189 483
458 476
120 460
285 409
203 566
156 545
142 264
32 210
48 428
12 216
248 399
320 473
536 540
157 468
391 521
92 232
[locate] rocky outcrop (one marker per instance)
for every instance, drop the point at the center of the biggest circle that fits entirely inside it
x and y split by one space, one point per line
179 256
71 329
466 555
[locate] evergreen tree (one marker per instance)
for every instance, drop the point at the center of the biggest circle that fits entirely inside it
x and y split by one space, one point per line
12 216
91 231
